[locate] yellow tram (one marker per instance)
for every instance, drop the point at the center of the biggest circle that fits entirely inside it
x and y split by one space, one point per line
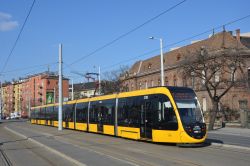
160 114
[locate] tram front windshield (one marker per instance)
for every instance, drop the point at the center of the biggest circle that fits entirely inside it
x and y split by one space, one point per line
188 106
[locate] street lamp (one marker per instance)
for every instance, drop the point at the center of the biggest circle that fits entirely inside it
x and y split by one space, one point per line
162 65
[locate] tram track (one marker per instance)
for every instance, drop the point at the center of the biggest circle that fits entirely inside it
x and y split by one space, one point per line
24 143
30 149
6 161
111 151
140 153
130 158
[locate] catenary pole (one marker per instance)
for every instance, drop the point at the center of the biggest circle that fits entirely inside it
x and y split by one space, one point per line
29 107
72 89
161 57
60 89
162 64
99 78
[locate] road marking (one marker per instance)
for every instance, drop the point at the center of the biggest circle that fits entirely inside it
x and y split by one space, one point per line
93 150
230 146
227 133
47 147
100 153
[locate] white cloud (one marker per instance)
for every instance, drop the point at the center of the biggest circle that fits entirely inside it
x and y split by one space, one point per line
5 16
6 24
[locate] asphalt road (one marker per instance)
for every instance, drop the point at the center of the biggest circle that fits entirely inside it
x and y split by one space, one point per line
19 151
70 147
230 136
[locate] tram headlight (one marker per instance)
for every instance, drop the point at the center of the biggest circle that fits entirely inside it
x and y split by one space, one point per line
189 129
197 131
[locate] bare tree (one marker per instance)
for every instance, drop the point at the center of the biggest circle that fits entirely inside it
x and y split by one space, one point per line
112 82
216 72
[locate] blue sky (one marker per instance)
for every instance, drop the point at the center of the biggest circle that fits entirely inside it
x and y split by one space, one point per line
82 26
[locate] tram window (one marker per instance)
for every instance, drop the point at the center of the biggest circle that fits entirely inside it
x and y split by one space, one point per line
55 114
123 112
167 118
161 112
68 112
43 113
129 111
135 109
81 112
102 111
35 113
31 114
93 113
107 109
49 112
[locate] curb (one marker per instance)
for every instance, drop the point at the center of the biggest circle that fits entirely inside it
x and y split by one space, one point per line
47 147
230 146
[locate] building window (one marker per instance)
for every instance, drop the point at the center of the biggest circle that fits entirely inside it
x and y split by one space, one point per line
178 57
140 85
152 83
175 81
243 104
146 85
149 66
166 81
159 82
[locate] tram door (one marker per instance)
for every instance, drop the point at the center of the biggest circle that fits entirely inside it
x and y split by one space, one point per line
146 119
100 119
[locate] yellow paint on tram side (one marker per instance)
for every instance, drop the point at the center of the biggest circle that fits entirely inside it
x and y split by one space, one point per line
71 125
43 122
81 126
56 123
129 132
93 128
166 136
108 129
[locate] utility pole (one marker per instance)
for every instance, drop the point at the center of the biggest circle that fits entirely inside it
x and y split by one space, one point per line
54 95
72 89
99 79
162 65
60 89
29 107
161 57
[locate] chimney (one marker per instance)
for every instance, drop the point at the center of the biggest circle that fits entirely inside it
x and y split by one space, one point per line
238 35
